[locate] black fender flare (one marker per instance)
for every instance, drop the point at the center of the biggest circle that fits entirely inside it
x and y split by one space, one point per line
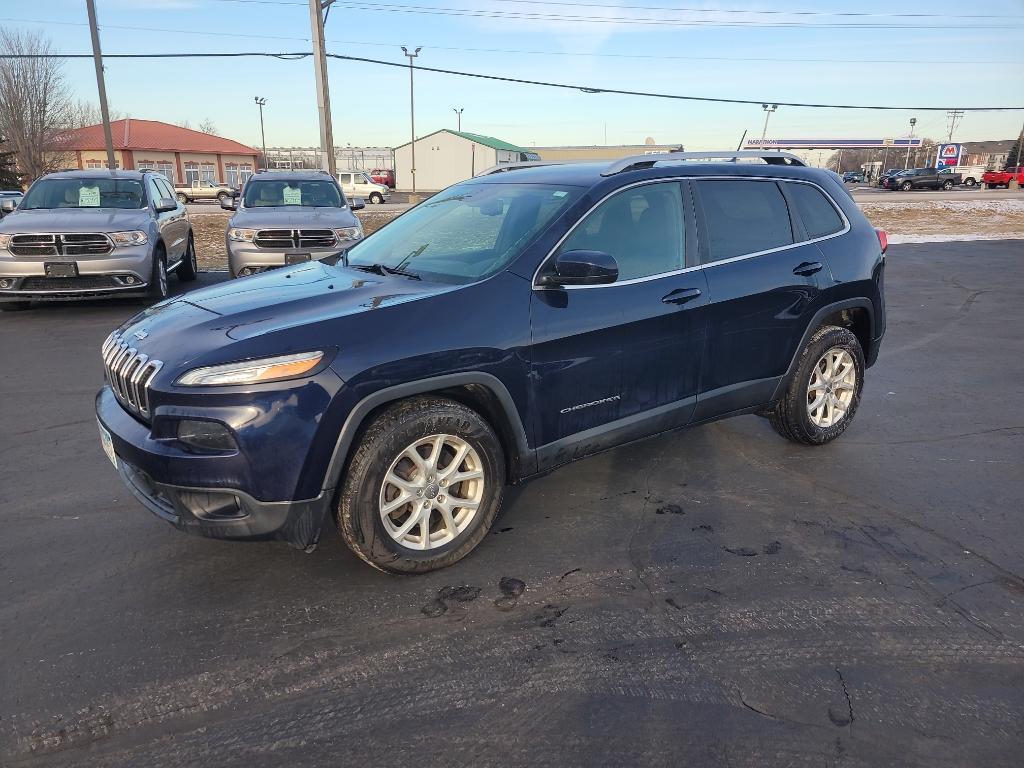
356 417
821 314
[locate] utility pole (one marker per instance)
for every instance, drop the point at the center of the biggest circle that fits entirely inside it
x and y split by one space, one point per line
906 161
458 113
768 109
955 116
260 101
839 162
97 57
412 117
323 91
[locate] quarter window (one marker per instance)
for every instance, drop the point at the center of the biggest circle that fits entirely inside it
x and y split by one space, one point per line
642 228
744 217
819 216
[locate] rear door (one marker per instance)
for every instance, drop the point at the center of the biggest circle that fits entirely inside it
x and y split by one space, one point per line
174 224
764 287
619 361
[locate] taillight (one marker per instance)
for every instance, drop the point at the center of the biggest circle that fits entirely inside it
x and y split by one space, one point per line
883 239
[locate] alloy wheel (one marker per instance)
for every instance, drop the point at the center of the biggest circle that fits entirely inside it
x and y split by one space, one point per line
431 492
832 387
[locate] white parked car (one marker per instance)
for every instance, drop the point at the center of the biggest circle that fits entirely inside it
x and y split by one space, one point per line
359 184
971 174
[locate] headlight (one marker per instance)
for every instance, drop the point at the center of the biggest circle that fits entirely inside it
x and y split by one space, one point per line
252 371
241 235
5 241
349 233
122 239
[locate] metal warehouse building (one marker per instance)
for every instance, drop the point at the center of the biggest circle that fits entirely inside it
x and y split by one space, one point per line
445 157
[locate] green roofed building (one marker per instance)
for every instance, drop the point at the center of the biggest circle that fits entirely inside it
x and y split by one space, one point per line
445 157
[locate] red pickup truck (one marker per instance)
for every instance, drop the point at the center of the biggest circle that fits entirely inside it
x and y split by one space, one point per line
993 179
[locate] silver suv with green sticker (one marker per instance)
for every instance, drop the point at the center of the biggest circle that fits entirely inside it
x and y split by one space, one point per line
287 217
94 234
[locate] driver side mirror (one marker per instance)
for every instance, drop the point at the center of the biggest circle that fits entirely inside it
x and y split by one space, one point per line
582 268
165 204
229 203
356 204
7 206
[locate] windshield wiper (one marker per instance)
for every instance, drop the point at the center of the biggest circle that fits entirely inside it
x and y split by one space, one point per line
380 269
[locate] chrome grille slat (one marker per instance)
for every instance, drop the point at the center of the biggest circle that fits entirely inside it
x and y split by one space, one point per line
129 374
61 244
284 239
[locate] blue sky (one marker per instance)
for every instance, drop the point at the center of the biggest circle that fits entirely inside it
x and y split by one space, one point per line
371 103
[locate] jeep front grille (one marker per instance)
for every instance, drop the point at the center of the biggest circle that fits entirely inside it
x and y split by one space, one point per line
129 374
64 244
293 239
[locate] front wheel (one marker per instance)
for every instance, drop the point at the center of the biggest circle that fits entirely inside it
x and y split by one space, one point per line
990 186
158 290
423 486
182 198
189 267
222 196
376 198
823 394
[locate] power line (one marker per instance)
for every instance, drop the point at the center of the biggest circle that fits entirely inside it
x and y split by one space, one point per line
520 81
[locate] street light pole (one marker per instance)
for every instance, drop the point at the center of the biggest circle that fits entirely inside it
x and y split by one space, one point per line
458 113
97 56
260 101
412 115
906 160
768 109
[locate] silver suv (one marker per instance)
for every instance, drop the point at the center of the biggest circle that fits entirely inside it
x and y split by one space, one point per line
94 234
287 217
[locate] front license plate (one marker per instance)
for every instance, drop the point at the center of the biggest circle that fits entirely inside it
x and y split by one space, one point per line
61 269
108 444
296 258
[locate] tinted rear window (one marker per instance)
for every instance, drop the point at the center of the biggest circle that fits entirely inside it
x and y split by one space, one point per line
819 216
744 217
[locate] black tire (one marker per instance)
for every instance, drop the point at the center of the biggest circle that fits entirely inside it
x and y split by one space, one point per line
381 444
790 417
990 186
947 185
182 197
14 306
376 198
969 182
222 196
189 267
906 186
158 290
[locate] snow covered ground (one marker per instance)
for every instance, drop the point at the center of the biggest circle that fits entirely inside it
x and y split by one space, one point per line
925 221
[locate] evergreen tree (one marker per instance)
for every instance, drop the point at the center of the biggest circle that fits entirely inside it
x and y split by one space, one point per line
8 173
1013 159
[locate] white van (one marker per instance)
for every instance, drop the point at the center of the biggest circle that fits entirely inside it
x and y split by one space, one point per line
970 174
359 184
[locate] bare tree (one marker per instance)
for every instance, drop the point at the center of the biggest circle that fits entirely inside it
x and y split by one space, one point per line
207 126
185 124
34 104
83 113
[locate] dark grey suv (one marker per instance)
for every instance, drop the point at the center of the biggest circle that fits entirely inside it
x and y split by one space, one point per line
94 234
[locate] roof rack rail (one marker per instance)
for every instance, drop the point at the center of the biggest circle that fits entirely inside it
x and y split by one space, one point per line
517 165
648 161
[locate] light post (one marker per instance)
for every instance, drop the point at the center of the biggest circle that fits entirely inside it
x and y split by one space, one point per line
458 113
768 109
906 161
412 117
260 101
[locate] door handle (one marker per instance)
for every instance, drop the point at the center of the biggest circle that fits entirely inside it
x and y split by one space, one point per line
807 268
681 295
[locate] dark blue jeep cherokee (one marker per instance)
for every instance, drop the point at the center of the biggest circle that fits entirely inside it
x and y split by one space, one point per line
520 320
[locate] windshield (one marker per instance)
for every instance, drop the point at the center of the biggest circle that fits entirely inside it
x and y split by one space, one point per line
84 193
319 193
466 233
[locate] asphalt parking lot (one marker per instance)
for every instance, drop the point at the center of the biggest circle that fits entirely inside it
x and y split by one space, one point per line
716 597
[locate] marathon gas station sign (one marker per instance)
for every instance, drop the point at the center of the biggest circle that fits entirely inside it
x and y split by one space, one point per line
949 155
903 143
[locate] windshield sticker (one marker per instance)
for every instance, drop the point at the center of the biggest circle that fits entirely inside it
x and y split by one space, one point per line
88 197
559 193
292 196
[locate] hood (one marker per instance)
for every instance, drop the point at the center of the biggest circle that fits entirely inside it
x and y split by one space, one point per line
75 220
293 217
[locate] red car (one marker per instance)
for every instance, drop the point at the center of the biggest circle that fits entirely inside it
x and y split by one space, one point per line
993 179
383 176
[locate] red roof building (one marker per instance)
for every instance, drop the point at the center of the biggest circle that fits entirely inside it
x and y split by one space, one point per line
183 155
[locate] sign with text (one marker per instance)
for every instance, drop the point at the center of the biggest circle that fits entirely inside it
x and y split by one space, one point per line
831 143
949 155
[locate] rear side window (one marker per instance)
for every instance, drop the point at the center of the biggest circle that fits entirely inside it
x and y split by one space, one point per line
819 216
744 217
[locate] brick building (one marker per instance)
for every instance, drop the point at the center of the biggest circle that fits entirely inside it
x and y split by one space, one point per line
181 154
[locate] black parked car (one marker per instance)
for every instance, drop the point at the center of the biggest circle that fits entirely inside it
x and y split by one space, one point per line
853 176
509 324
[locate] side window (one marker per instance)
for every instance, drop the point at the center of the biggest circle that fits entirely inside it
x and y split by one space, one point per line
153 190
165 189
744 216
819 216
642 228
345 178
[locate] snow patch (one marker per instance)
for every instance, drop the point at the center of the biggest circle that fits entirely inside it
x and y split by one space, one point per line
952 238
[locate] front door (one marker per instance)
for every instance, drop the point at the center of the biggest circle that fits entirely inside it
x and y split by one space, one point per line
620 361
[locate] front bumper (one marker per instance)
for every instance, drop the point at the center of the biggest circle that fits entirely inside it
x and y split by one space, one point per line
181 488
124 272
242 255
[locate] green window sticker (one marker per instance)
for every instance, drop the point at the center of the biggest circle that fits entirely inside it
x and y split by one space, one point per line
88 197
292 196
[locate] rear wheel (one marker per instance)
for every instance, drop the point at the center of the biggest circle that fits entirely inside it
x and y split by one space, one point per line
947 185
189 267
906 186
970 182
823 394
158 290
423 486
14 306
